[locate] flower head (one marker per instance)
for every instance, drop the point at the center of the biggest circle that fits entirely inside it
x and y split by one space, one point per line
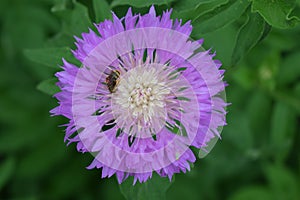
145 94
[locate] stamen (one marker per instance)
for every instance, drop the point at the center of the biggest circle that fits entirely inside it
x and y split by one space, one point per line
141 93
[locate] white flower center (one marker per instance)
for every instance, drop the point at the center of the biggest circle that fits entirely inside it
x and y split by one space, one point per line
139 101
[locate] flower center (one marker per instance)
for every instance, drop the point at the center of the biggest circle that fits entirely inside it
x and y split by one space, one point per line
139 100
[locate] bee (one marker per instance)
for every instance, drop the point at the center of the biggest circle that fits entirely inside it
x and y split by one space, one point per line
112 80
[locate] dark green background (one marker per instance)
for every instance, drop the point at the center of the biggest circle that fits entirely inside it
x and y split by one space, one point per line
258 156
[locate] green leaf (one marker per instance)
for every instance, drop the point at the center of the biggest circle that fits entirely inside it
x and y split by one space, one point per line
252 192
283 128
51 57
59 5
290 70
219 17
245 76
266 32
188 4
282 182
296 90
61 40
276 12
49 86
44 157
248 36
140 3
259 102
268 70
287 97
190 10
233 131
224 48
154 188
196 5
6 171
207 6
75 21
282 40
102 10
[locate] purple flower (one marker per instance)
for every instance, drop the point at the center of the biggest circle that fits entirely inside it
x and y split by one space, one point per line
145 94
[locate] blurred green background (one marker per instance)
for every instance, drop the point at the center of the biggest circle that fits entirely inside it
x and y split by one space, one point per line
259 154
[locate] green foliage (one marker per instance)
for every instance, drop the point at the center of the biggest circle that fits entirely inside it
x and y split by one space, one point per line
258 157
283 184
155 188
140 3
188 4
224 48
252 192
76 20
283 127
102 10
191 9
6 171
51 57
258 109
219 17
277 12
248 36
290 69
49 86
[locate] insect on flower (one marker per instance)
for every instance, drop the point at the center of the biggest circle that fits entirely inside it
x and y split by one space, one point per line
145 94
112 80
